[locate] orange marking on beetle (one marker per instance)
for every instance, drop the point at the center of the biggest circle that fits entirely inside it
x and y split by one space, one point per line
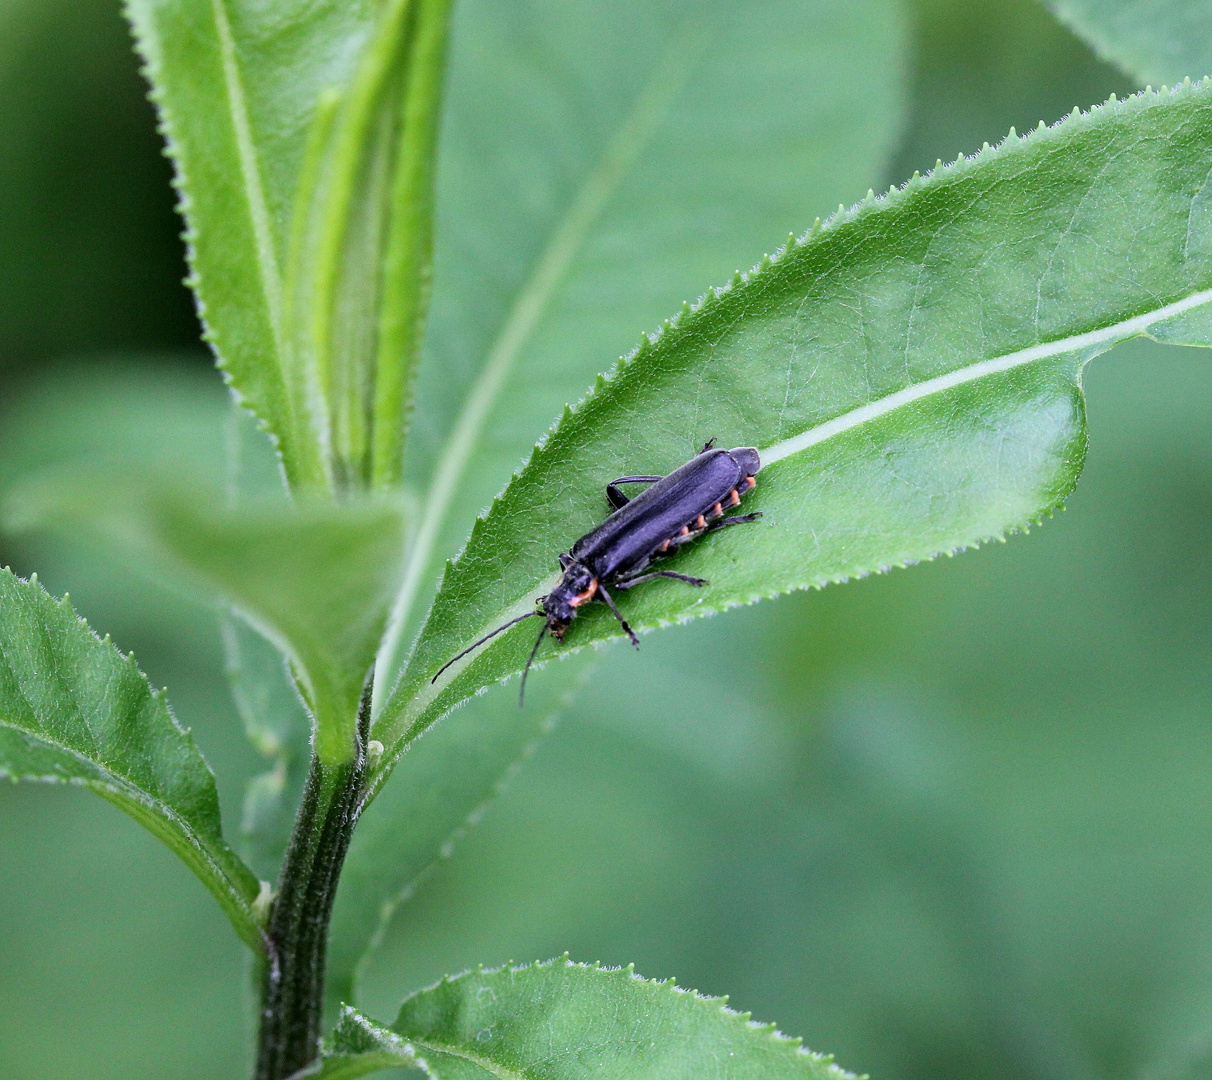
700 522
717 510
733 498
580 598
664 546
750 482
685 530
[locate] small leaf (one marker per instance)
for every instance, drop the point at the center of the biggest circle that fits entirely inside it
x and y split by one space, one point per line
303 135
1158 41
566 1021
910 372
316 578
437 794
74 710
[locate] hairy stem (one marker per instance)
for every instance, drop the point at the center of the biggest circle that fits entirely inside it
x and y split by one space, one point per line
293 987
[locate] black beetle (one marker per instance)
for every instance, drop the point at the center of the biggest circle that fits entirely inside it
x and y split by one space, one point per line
677 508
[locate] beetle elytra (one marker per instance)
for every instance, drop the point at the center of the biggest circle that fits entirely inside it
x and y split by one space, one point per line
692 500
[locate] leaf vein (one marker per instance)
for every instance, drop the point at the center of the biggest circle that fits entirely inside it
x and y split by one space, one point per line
1107 335
250 169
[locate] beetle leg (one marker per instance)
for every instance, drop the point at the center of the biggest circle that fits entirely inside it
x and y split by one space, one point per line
617 499
740 519
687 535
622 622
627 583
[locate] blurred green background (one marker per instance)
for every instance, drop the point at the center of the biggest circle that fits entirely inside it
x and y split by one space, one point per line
953 822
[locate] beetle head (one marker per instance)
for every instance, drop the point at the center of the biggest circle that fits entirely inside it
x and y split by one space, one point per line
560 605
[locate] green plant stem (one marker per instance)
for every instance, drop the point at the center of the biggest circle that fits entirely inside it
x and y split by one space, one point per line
293 987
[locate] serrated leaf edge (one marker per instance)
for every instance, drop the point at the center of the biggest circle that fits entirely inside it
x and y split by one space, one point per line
416 712
793 1044
127 795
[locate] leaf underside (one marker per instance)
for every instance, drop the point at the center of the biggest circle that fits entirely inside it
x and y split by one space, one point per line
910 371
74 710
566 1021
316 578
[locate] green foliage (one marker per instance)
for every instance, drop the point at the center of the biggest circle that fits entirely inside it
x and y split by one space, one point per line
317 578
441 788
73 710
1158 41
566 1021
599 165
303 141
910 371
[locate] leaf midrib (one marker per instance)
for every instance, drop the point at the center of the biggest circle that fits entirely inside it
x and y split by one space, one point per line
490 1067
1104 336
122 786
1076 343
648 111
250 170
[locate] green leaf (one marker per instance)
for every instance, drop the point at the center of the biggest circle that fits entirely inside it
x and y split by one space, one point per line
600 164
439 792
910 372
317 579
566 1021
314 577
303 136
74 710
1158 41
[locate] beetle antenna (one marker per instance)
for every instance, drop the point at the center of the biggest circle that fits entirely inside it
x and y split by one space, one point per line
486 637
526 670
